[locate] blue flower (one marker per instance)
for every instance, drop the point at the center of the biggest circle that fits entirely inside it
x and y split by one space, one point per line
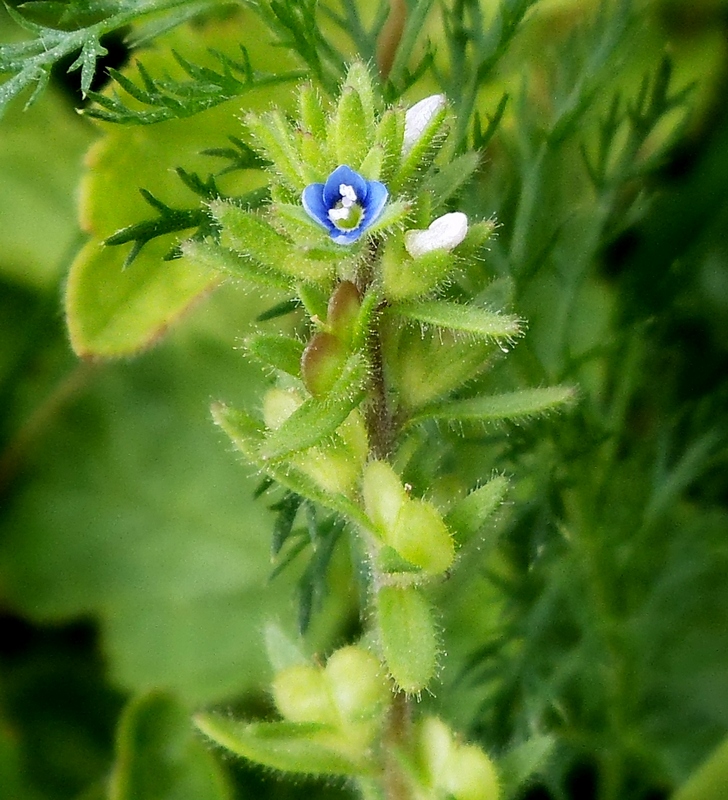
346 205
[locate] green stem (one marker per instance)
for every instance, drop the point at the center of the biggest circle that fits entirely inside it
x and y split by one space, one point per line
396 738
382 433
380 423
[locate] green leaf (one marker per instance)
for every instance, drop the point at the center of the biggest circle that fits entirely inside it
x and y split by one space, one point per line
493 408
39 173
451 178
710 780
249 233
158 755
389 134
282 651
212 258
280 352
137 306
317 418
112 312
253 236
86 62
408 638
247 435
395 213
274 138
348 134
314 298
287 746
478 322
359 78
471 513
167 98
310 111
120 525
29 62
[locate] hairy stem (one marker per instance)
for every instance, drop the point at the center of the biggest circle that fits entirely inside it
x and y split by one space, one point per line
396 737
379 418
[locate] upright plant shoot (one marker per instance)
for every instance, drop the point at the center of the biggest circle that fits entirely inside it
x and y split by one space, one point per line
358 233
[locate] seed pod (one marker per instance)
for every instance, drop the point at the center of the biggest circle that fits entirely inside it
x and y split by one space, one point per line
322 362
408 638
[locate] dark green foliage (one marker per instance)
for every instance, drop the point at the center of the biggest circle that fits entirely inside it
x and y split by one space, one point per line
29 62
166 98
174 220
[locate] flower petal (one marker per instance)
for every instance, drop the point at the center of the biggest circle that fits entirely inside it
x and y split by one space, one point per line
312 198
445 233
347 237
344 174
376 200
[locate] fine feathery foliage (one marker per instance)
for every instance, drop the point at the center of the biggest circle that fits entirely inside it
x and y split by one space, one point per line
29 62
166 98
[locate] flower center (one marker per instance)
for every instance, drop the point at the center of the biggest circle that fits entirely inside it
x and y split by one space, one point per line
346 213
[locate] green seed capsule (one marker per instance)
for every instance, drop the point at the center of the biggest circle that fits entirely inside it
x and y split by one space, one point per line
408 638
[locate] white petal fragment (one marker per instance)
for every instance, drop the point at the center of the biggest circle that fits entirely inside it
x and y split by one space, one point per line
445 233
418 117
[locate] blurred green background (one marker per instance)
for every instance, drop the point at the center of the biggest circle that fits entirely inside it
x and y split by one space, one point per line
134 558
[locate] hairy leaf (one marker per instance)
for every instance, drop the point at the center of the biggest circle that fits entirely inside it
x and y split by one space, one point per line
287 746
491 408
318 418
472 320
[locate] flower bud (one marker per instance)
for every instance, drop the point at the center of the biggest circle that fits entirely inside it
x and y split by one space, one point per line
421 537
460 771
407 636
406 278
330 466
419 117
445 233
471 775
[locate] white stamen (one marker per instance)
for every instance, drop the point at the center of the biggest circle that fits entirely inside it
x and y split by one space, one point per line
336 214
445 233
418 117
348 195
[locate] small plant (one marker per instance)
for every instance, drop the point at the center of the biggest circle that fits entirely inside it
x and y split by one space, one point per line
353 232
